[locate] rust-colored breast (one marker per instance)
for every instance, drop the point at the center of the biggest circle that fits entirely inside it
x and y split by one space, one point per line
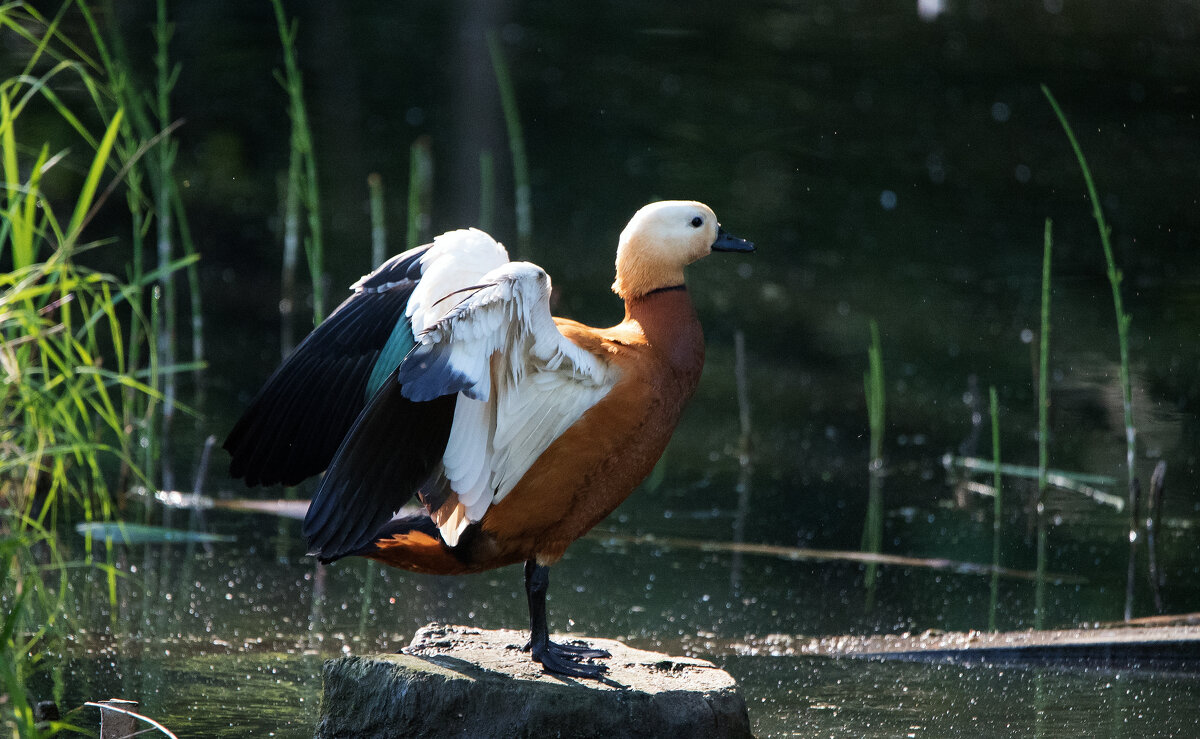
596 463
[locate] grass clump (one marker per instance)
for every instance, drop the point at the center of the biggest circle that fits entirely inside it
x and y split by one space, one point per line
81 367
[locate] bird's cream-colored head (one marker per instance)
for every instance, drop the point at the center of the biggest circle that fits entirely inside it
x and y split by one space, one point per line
661 239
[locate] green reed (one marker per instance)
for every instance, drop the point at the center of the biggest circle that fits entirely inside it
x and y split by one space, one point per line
1123 322
77 351
378 222
516 145
378 254
997 508
420 192
300 207
302 168
872 538
31 625
149 120
1043 433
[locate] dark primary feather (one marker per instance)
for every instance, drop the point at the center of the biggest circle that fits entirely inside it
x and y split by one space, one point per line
393 448
295 424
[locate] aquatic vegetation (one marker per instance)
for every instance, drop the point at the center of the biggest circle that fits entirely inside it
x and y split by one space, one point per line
872 538
1043 406
84 380
1123 322
997 507
146 141
301 188
378 222
420 192
516 144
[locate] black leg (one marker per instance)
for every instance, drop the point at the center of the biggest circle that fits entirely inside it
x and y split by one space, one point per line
559 659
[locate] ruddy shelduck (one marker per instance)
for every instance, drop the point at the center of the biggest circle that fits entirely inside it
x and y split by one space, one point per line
444 375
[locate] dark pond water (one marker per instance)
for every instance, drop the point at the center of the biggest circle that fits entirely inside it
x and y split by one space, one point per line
890 167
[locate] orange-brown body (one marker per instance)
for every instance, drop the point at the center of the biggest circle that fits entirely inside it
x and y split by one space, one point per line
597 462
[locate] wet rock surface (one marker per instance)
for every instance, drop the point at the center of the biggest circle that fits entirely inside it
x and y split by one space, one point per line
454 681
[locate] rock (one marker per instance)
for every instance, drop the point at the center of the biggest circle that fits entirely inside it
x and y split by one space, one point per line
115 721
454 681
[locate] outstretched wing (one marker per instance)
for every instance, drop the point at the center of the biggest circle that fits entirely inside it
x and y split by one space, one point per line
296 423
520 384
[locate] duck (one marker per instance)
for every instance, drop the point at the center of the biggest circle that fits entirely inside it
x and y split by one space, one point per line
444 377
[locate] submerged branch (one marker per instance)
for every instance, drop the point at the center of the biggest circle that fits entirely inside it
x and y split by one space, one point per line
832 555
110 707
1070 481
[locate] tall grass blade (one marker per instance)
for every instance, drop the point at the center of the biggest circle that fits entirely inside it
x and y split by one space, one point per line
516 145
194 292
745 461
88 193
1043 432
73 396
378 222
1123 322
420 192
291 252
872 538
1153 518
997 509
303 171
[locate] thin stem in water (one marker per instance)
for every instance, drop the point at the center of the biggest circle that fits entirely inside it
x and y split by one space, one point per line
1043 432
1123 322
996 510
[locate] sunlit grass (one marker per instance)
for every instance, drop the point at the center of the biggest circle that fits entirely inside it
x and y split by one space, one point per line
82 374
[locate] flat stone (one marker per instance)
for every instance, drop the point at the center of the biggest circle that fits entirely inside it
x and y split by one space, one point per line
454 681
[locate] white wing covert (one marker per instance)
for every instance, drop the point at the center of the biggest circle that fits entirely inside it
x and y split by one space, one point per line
521 384
455 261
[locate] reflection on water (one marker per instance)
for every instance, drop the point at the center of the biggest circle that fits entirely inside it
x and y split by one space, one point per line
889 166
806 697
229 649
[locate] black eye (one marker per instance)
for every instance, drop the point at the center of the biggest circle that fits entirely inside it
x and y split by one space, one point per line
697 222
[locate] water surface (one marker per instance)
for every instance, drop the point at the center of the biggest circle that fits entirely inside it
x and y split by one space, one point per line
888 167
